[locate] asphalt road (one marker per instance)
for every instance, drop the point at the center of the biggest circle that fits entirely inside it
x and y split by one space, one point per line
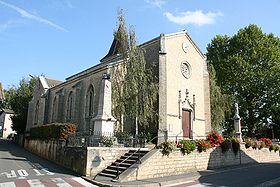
259 175
20 168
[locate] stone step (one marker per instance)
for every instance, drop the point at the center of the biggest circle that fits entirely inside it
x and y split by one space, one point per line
124 162
112 167
107 175
139 151
127 165
129 161
130 157
111 171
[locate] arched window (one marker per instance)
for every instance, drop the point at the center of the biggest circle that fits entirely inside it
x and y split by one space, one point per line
54 110
69 115
90 102
36 113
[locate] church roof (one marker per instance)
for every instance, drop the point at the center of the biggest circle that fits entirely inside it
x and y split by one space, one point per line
115 44
51 82
112 50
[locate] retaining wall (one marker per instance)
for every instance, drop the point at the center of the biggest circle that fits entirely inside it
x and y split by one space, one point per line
157 165
84 160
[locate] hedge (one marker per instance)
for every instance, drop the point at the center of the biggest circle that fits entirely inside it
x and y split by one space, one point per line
57 131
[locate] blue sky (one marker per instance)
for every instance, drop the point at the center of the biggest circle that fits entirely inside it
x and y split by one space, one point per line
59 38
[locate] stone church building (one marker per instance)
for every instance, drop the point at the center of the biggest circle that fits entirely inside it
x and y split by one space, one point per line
85 98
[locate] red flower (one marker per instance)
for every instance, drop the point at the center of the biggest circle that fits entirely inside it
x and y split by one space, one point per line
215 138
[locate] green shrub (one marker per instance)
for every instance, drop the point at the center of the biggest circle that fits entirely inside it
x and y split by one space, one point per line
235 144
167 147
225 145
122 136
277 148
248 143
106 141
54 131
274 148
203 145
255 144
187 146
261 145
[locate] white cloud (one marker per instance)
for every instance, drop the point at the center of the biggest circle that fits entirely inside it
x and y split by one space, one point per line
157 3
28 15
9 24
197 17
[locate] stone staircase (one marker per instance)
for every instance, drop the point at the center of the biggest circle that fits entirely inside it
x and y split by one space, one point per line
123 163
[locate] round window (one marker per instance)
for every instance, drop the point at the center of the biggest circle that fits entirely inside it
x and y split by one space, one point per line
186 69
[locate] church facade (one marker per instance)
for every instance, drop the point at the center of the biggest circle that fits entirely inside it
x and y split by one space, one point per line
85 98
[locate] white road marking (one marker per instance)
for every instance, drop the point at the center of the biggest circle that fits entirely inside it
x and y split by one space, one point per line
269 183
8 184
83 182
38 172
203 185
22 173
47 171
35 183
10 175
60 182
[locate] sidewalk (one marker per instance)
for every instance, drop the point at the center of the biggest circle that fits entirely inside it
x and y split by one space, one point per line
165 181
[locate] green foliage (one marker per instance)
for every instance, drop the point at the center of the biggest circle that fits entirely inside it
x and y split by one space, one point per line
274 147
203 145
256 144
187 146
249 143
235 144
17 99
135 88
167 147
248 68
123 137
225 145
56 131
220 103
106 141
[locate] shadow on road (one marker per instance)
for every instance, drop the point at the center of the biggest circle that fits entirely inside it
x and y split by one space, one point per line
250 173
18 154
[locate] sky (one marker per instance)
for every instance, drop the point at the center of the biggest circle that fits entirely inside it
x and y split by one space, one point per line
59 38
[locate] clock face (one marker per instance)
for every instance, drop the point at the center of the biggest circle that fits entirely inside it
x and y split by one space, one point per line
185 46
186 69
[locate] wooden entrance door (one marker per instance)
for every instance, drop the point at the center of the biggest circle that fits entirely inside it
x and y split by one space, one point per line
186 123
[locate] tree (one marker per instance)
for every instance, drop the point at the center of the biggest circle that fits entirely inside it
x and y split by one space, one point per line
135 90
17 99
247 66
220 103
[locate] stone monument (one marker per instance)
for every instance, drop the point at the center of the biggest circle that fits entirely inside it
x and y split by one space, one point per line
237 124
104 121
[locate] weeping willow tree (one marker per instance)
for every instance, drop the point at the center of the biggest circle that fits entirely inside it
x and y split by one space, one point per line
135 89
220 103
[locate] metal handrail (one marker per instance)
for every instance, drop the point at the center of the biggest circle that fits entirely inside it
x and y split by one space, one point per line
118 165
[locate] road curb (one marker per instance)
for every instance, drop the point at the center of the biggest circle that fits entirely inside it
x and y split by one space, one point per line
170 180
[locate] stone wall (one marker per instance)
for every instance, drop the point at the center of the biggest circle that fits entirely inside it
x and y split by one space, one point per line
157 165
73 158
86 161
98 158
